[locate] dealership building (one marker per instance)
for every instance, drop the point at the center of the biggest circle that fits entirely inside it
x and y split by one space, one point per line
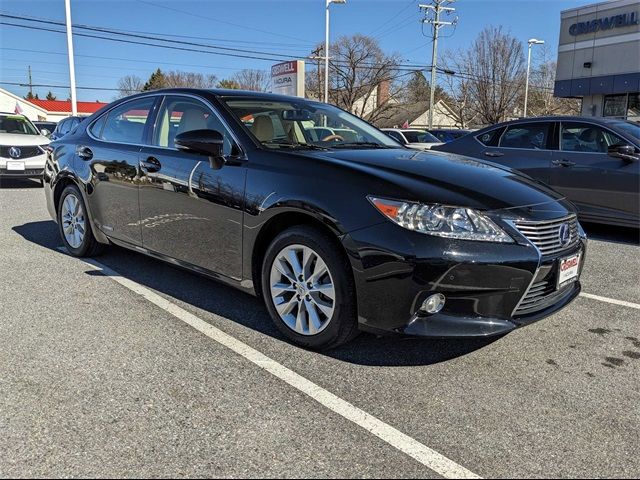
599 58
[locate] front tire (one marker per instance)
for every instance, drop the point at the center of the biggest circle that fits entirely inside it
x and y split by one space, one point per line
308 288
74 224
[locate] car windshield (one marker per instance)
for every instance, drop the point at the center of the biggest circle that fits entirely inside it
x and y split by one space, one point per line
302 124
417 136
16 124
630 128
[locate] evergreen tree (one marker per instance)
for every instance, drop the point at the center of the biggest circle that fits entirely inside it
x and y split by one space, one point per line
228 83
156 80
51 96
29 96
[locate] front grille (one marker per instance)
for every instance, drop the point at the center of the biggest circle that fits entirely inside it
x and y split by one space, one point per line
536 297
25 152
546 234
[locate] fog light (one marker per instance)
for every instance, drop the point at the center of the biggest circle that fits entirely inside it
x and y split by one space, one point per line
433 303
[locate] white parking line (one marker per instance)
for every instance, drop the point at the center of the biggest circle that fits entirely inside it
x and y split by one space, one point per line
610 300
423 454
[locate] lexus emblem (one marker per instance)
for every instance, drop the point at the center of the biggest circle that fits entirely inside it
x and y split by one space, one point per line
565 234
14 152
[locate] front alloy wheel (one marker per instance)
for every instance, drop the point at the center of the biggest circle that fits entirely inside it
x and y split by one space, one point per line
302 290
308 288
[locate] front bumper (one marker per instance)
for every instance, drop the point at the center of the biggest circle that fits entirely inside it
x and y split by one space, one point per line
396 269
33 167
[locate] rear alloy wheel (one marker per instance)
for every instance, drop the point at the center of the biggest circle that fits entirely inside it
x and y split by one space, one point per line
308 289
74 225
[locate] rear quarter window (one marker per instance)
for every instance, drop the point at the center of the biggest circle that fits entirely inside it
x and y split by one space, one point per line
491 137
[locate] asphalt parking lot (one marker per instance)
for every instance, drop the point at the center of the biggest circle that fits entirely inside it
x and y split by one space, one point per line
97 380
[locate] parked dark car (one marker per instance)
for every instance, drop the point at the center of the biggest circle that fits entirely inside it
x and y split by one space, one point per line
594 162
336 235
48 126
446 135
64 126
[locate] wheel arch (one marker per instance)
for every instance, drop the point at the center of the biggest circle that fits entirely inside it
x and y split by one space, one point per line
63 182
280 222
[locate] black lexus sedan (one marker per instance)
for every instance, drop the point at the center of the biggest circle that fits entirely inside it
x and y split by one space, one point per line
594 162
336 234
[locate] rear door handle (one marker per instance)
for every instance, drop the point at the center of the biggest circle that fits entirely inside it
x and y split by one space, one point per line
84 153
493 154
563 163
150 165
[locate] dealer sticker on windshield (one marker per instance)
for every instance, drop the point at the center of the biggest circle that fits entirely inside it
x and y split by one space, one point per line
568 271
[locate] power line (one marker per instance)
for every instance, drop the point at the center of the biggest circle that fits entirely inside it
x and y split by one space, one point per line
19 84
139 36
154 62
173 47
411 3
198 15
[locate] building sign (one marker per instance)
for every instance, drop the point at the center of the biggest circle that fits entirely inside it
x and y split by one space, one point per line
287 78
607 23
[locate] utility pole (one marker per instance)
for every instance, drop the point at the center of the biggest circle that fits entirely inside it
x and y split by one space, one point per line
436 8
72 70
317 55
30 84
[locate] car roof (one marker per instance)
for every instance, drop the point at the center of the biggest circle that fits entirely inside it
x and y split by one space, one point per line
561 118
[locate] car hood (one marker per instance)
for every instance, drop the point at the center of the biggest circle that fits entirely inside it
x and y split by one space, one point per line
436 177
21 140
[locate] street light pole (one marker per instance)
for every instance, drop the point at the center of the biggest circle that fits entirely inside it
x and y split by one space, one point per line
326 48
531 42
72 71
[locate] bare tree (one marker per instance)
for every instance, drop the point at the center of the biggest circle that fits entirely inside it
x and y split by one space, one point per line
542 80
461 101
362 77
495 68
250 79
130 84
190 80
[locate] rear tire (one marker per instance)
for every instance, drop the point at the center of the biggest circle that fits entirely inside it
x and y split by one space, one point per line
74 225
308 288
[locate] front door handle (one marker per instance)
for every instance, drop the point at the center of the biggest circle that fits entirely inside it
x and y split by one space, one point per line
493 154
563 163
150 165
84 153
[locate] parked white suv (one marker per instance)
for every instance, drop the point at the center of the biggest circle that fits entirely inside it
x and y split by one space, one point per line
413 138
22 148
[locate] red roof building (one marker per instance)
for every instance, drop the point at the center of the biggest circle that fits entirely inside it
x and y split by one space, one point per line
64 106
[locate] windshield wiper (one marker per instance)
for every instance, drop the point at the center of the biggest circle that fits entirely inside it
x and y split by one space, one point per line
359 145
293 146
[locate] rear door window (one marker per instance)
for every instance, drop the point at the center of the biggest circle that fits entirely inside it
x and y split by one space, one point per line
533 136
126 123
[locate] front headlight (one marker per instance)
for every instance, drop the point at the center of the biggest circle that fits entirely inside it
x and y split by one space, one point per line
441 220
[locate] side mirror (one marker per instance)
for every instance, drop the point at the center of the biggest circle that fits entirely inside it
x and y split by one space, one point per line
45 132
623 151
203 142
